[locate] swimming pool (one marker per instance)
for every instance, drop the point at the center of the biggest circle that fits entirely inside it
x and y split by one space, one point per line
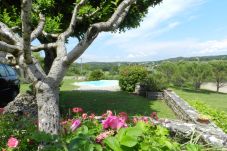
100 83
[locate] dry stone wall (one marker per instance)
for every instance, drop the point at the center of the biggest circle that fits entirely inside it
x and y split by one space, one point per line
210 132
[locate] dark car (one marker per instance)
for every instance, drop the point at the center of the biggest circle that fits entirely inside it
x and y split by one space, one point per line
9 84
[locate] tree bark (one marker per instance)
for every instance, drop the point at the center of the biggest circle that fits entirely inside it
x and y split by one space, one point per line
50 55
218 85
197 85
48 107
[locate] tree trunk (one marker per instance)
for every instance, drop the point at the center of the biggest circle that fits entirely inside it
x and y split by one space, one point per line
50 55
197 85
218 85
48 107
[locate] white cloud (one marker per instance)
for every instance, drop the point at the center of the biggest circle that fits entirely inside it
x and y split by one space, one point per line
185 48
167 10
139 44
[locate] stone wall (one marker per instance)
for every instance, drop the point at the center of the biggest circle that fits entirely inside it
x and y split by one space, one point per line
154 95
210 132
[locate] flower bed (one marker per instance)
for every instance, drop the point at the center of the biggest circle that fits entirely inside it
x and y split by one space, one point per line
116 132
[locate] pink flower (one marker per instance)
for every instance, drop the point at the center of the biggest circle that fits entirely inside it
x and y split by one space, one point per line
145 119
92 116
135 120
1 110
12 142
109 113
123 115
113 122
77 110
104 115
154 116
75 125
63 122
103 135
84 116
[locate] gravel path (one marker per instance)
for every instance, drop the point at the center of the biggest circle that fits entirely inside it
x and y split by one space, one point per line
212 86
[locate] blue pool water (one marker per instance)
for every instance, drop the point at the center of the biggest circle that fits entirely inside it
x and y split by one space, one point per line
100 83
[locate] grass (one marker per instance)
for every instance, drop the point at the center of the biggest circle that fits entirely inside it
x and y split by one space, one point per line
24 88
99 102
212 99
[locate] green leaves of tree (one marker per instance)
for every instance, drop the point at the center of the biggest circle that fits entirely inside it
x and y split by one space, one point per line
53 24
10 17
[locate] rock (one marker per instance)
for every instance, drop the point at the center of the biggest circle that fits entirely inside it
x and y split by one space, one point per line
23 104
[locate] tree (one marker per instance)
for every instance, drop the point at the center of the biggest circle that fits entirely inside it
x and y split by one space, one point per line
219 72
181 75
168 69
87 20
198 72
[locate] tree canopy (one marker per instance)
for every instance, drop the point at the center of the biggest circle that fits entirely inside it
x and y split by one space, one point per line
53 22
58 14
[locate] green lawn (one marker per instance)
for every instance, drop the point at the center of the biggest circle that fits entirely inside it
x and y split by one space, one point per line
99 102
213 99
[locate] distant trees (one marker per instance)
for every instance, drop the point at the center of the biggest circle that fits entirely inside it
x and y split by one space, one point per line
194 73
198 73
219 72
174 73
167 69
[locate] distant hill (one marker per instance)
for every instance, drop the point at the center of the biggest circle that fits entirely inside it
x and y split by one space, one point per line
200 58
106 66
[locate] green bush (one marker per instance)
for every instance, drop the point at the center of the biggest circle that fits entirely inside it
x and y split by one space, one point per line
130 75
96 75
155 82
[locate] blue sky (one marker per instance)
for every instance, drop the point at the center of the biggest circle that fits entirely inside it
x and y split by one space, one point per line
172 29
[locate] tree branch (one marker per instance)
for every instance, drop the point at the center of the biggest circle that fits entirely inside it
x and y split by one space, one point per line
7 34
39 28
26 29
51 35
116 18
9 48
43 46
15 28
96 28
72 24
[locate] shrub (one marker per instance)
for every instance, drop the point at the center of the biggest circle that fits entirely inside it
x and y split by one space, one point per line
96 75
130 75
155 82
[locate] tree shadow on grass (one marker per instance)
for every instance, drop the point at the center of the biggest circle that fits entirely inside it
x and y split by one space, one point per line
99 101
191 90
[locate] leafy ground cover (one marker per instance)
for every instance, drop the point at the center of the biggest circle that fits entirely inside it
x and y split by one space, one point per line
212 99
